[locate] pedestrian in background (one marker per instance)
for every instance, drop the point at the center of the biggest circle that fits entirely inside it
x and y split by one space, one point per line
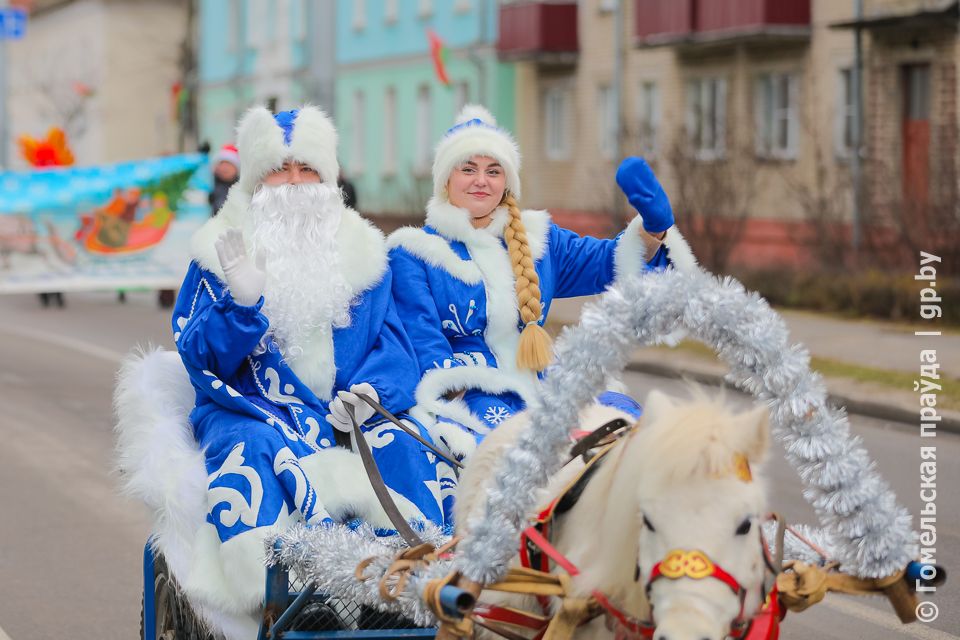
226 171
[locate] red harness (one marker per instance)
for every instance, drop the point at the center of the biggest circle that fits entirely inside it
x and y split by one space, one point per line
764 624
536 552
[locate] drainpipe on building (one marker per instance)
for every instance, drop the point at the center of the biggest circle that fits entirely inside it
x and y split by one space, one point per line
616 87
188 71
4 124
856 167
476 59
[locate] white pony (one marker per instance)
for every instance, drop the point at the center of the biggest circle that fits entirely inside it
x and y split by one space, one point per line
675 494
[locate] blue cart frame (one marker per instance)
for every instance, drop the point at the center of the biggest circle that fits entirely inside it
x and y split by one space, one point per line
285 606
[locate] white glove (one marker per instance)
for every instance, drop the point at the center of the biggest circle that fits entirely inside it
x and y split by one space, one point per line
244 277
340 419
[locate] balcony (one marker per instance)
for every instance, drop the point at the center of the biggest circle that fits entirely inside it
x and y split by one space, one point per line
540 31
697 22
893 17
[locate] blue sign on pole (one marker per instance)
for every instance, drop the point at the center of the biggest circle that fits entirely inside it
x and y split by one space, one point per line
13 23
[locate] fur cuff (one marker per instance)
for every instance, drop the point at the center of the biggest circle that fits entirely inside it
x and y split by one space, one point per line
680 253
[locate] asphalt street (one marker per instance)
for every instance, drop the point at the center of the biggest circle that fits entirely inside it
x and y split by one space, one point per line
71 546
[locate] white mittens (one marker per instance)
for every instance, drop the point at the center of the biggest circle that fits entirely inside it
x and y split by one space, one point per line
340 419
244 278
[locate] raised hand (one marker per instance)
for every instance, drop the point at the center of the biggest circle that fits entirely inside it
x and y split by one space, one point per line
644 192
244 277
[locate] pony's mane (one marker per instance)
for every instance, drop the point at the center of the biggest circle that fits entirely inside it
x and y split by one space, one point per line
687 440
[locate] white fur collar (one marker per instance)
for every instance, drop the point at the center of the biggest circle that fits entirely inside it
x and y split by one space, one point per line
453 223
489 263
363 254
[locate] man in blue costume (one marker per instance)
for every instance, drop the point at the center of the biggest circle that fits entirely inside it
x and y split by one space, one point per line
285 314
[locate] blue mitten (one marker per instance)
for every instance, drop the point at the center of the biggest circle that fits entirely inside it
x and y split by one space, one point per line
644 192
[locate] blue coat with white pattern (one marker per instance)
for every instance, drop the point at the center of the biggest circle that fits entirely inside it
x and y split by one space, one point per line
270 453
455 293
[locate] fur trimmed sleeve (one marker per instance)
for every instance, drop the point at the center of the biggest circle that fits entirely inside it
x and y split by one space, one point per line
630 257
212 332
583 265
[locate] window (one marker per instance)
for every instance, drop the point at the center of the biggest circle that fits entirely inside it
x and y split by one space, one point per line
916 86
259 23
462 6
359 141
359 14
424 8
300 20
844 114
556 130
390 11
608 5
648 118
390 132
423 148
461 95
607 122
775 107
706 117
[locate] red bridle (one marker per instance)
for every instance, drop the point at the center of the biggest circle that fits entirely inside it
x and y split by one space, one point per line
697 565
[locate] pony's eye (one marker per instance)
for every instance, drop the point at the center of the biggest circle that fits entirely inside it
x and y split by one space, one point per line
744 527
647 524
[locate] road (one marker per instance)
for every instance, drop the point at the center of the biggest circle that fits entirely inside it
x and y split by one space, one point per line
70 546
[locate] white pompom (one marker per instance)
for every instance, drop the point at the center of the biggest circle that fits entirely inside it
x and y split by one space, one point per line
471 111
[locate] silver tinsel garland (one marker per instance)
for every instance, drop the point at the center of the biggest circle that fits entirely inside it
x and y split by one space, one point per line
864 527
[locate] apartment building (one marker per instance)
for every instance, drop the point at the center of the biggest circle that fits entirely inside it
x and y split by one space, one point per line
746 109
391 106
278 53
104 71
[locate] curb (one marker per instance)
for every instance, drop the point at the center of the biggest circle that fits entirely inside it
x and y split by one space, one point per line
868 408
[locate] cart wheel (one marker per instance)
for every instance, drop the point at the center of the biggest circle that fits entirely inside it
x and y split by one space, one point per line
175 619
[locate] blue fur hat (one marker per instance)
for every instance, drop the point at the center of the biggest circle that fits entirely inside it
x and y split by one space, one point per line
265 141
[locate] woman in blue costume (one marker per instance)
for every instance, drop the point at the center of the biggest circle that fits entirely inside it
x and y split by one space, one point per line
473 286
285 314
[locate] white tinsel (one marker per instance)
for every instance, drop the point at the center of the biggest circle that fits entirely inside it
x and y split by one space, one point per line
871 533
864 527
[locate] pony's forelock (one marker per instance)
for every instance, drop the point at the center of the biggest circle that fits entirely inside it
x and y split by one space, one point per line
688 441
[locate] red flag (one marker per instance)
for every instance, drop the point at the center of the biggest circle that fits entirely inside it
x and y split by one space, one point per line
438 51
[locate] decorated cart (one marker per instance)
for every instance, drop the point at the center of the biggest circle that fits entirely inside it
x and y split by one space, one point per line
566 530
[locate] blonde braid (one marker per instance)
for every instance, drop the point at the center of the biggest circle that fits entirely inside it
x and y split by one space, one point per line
535 350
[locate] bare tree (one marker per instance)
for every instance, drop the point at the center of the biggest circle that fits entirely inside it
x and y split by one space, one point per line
65 91
825 199
713 198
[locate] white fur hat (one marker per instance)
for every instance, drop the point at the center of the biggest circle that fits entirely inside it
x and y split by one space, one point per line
475 133
264 141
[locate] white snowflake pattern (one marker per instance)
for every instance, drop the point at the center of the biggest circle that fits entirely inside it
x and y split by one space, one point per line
496 415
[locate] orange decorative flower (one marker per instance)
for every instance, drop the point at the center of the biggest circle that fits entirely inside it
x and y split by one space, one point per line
52 152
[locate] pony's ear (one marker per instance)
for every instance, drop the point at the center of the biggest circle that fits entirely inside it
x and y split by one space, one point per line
754 433
656 404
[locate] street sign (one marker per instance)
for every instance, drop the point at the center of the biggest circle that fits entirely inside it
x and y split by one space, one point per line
13 23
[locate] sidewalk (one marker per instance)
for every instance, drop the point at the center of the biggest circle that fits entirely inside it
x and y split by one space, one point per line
878 346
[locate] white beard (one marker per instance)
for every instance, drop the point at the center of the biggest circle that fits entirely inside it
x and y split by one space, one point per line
305 296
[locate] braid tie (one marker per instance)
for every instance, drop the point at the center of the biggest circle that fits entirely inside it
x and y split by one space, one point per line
535 349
